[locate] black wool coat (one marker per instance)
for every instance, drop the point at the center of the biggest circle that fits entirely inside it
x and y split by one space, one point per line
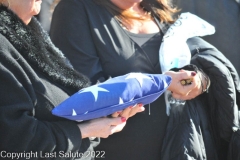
35 77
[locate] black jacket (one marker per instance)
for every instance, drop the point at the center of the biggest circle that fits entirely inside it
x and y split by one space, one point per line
34 79
207 126
223 99
224 15
96 41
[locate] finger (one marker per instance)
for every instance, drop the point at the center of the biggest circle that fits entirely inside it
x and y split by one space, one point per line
126 111
182 90
141 108
190 87
187 92
116 114
116 121
138 108
188 96
194 93
177 96
186 74
195 88
184 98
180 97
134 110
117 128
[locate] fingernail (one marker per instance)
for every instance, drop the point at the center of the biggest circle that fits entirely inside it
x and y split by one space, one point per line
131 107
123 119
140 105
193 74
118 112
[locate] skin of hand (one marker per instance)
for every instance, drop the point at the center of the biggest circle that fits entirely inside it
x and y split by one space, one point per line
184 92
102 127
130 111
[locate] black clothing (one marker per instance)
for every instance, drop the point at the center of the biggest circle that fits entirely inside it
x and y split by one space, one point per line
34 79
97 41
94 32
99 47
223 100
224 16
149 43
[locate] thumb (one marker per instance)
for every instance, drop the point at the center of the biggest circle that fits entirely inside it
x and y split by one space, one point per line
117 121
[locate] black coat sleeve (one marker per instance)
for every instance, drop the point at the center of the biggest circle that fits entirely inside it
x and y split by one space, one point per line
20 131
78 45
222 102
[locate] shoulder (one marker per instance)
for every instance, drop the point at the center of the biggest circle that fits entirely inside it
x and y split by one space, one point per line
76 9
11 62
199 46
6 48
198 42
76 3
202 50
4 42
10 58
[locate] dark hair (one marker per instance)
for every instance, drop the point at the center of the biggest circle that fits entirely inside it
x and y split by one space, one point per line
162 9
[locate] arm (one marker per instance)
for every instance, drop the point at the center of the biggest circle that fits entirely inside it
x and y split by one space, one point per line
222 101
20 130
71 32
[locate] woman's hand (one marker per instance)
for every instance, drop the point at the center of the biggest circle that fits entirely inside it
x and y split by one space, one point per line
185 92
130 111
102 127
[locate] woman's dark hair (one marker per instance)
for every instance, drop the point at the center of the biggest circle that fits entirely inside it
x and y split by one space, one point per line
162 8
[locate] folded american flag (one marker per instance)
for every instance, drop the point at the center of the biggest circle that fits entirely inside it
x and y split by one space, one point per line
113 95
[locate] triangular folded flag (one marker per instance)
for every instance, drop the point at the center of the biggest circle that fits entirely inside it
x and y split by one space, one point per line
113 95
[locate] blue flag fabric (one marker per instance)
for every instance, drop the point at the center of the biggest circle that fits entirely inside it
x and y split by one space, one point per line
113 95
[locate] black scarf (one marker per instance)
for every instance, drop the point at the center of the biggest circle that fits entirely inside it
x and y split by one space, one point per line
34 44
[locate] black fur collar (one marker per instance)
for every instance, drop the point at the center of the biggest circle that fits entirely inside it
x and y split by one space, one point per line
34 44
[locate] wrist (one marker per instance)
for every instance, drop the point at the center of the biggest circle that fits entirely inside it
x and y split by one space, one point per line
170 74
84 130
205 82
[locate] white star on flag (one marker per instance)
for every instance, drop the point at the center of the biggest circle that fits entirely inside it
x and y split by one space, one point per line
94 90
120 100
74 113
138 76
131 99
